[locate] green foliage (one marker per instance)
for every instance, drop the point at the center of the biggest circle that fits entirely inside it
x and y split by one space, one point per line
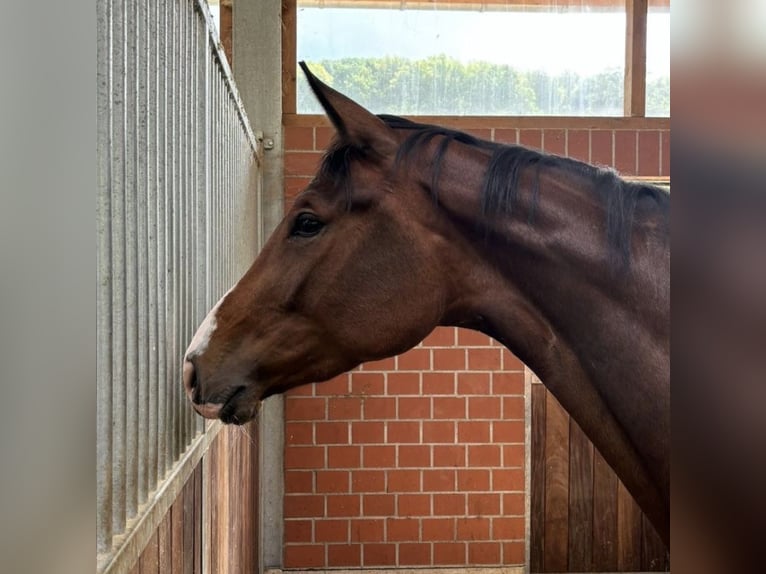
440 85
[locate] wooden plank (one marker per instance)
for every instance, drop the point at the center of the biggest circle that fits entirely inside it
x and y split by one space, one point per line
635 58
556 486
537 480
580 500
177 534
654 554
289 56
628 531
149 563
198 519
188 527
509 122
604 516
164 541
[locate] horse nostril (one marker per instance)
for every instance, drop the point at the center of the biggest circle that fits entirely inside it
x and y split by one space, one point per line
190 378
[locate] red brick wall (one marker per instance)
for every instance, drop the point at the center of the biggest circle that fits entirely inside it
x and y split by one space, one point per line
418 460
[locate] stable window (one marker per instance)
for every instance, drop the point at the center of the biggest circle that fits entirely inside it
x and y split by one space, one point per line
496 57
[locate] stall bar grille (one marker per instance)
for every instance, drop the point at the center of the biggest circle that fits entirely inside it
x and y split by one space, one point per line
178 222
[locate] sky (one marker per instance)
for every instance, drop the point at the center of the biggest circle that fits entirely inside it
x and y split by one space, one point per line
555 42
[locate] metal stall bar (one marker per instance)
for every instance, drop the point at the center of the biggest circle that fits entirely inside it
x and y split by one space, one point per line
176 228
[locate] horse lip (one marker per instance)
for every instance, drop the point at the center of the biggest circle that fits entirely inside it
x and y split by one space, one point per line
216 410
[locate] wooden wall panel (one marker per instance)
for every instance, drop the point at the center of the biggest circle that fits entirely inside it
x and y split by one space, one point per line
582 518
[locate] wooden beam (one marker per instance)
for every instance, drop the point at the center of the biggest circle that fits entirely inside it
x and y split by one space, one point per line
635 58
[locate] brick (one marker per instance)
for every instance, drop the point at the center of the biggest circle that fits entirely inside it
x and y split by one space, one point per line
484 408
449 408
304 506
331 531
367 530
513 455
450 456
513 408
304 556
324 136
363 383
304 457
368 433
514 553
379 504
337 386
331 433
403 383
665 153
473 529
368 481
383 365
449 504
403 481
440 337
402 529
348 555
510 361
403 432
531 138
508 528
434 529
480 133
449 359
601 148
508 383
301 163
484 359
471 338
554 141
483 504
508 479
649 153
298 138
508 431
473 431
414 505
344 408
379 456
379 408
298 531
484 553
417 359
484 455
414 407
336 481
472 480
379 554
449 553
417 456
625 144
342 505
305 409
344 456
438 432
507 136
413 554
513 504
299 482
299 433
578 145
438 384
473 383
293 187
439 480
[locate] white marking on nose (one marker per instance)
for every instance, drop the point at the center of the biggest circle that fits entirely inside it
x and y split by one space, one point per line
205 331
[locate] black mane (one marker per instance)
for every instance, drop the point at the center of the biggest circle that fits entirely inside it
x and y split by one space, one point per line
501 182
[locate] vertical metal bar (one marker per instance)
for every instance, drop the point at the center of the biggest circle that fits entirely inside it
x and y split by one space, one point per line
141 246
188 207
174 219
152 209
119 344
104 296
162 182
131 315
202 71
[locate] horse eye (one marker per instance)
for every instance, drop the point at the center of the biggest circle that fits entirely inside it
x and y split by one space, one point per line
306 225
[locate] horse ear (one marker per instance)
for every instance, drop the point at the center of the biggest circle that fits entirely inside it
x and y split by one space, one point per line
353 122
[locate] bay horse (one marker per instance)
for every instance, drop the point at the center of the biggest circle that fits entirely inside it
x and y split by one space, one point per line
408 226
